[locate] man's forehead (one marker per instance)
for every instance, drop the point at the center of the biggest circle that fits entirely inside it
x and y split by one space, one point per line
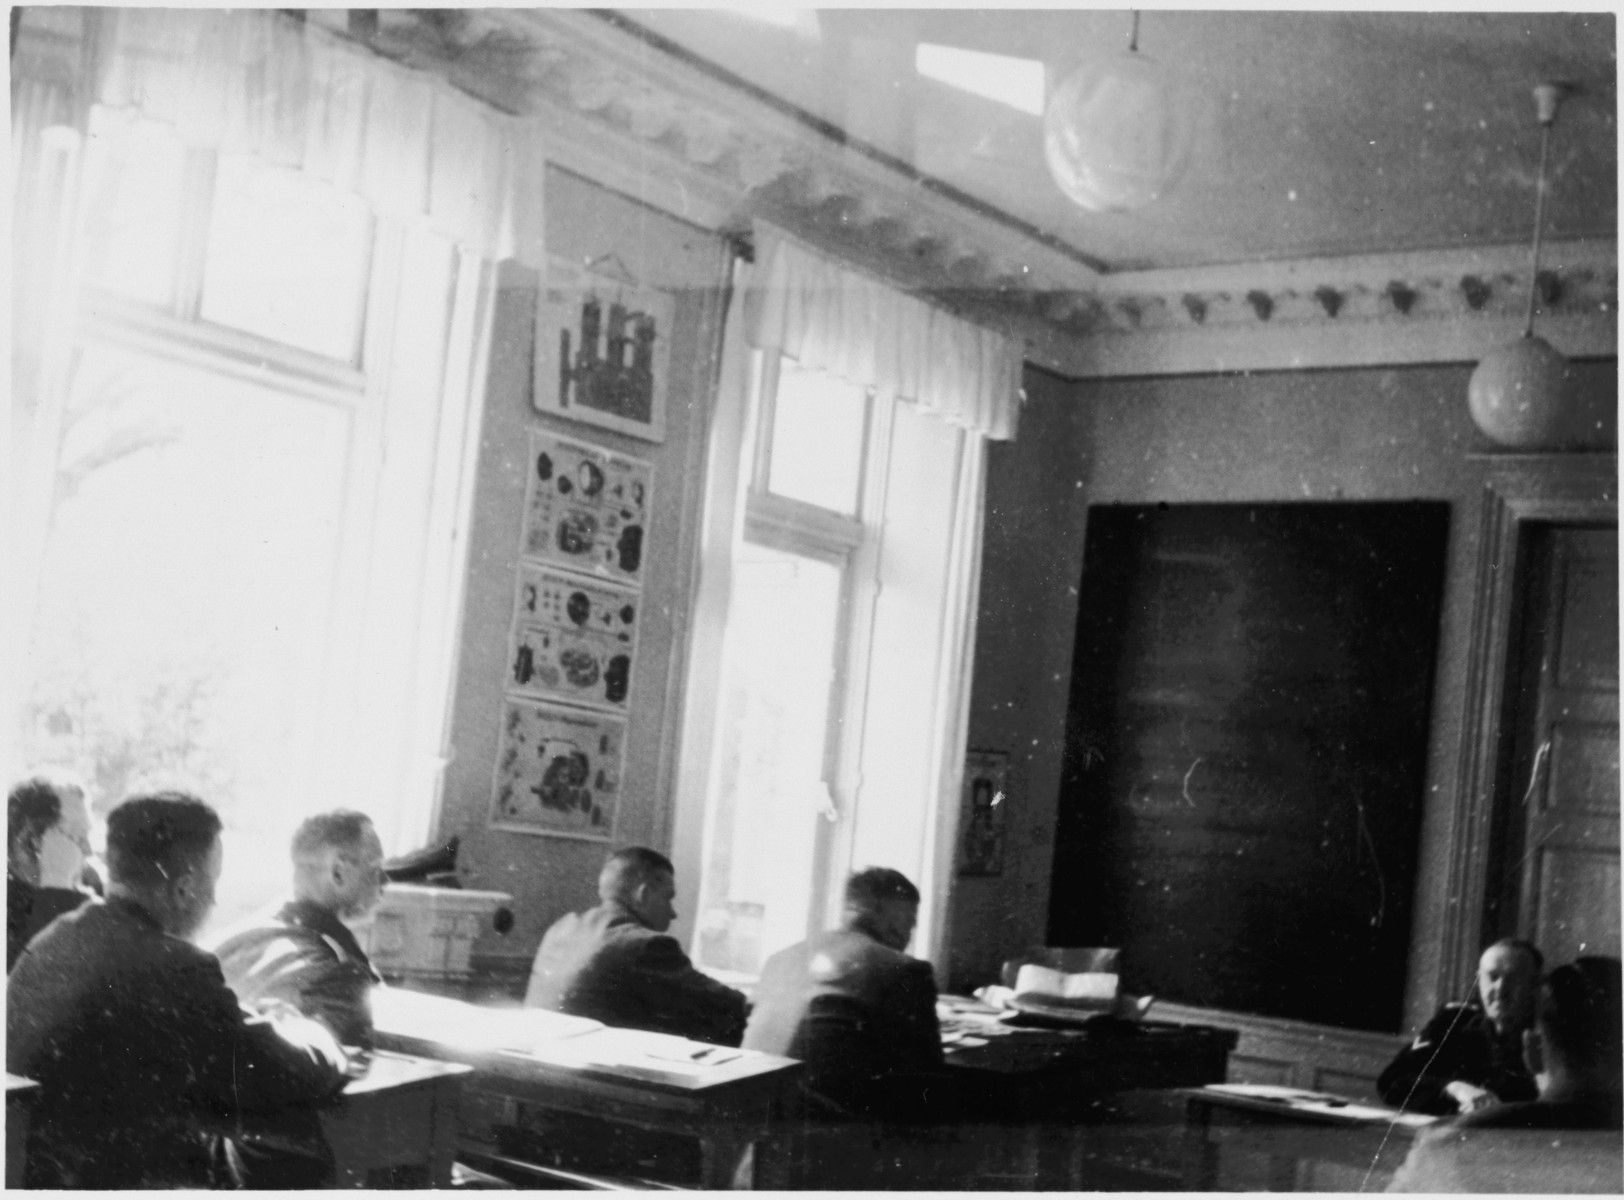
1504 958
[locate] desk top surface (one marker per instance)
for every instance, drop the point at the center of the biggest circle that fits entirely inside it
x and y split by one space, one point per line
1296 1105
388 1069
16 1083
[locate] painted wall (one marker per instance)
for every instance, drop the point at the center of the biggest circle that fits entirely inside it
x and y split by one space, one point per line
549 876
1387 434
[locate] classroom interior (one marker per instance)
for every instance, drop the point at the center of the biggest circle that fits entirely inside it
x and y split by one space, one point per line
1231 639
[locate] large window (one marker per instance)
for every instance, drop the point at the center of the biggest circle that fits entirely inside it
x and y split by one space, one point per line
827 738
772 809
256 478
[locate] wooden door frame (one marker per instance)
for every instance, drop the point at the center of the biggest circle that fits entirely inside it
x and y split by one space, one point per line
1519 490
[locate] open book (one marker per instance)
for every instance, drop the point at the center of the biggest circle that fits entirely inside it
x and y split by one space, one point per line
1088 990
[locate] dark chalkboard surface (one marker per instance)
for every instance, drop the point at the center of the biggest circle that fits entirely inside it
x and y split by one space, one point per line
1246 752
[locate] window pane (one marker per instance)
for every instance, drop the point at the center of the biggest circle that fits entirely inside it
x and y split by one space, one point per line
817 439
762 826
182 619
134 212
287 258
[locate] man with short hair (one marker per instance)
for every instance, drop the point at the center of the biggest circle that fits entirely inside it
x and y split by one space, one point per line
306 955
1469 1056
140 1050
615 963
1568 1139
47 845
855 1008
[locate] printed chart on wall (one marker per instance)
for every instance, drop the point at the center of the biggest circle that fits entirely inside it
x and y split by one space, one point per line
586 508
602 346
573 639
558 770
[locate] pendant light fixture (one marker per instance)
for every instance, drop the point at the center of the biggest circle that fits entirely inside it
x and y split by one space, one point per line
1117 131
1519 392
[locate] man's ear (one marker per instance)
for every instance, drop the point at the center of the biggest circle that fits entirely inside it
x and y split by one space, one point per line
1533 1052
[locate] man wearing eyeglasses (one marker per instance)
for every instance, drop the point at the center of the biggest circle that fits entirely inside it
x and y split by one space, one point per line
47 843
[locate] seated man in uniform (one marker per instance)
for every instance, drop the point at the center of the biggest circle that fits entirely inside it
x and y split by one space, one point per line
856 1009
615 963
141 1052
1469 1056
1568 1139
47 844
306 955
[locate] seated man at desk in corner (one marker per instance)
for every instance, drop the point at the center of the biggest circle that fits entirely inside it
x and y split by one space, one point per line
141 1052
306 955
1568 1139
615 963
1470 1056
857 1010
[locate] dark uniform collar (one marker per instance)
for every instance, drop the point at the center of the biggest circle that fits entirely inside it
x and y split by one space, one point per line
135 909
307 914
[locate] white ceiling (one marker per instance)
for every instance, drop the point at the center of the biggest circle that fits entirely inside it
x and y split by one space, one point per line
1321 134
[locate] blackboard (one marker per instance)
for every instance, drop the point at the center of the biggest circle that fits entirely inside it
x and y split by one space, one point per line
1246 752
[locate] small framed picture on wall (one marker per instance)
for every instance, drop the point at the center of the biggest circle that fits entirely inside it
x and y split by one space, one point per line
603 345
986 806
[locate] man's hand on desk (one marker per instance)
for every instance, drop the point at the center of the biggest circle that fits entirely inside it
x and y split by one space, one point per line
1469 1097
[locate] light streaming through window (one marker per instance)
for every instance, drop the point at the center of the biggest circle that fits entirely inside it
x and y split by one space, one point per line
1017 82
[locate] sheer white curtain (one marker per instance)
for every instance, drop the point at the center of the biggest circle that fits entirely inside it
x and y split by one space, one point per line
949 386
454 188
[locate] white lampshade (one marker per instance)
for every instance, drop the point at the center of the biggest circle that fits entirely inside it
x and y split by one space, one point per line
1519 395
1117 133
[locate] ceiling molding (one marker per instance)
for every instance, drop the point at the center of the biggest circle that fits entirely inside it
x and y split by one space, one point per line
613 106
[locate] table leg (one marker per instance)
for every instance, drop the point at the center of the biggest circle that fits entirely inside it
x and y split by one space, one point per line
1200 1154
443 1147
720 1161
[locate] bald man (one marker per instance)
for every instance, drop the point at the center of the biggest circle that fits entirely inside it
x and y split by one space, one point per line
1469 1057
617 964
306 955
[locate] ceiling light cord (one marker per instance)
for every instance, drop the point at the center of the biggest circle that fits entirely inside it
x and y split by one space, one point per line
1133 35
1539 224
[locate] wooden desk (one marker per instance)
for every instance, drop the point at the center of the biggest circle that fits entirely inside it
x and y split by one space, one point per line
400 1117
401 1114
735 1106
1291 1130
1059 1093
19 1102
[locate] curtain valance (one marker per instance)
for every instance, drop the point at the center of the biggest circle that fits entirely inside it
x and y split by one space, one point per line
830 318
262 83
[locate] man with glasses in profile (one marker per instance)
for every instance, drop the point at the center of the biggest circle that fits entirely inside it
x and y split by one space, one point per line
47 846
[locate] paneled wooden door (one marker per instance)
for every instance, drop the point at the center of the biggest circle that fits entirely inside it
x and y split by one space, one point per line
1561 805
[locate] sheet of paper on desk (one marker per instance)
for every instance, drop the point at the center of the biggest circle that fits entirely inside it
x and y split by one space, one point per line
456 1023
1325 1102
658 1054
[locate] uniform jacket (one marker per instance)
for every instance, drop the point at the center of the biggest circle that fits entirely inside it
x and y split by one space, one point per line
606 964
861 1015
142 1054
30 908
1459 1042
308 958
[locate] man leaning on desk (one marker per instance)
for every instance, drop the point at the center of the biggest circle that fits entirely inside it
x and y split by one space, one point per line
617 964
1470 1056
141 1052
1568 1139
